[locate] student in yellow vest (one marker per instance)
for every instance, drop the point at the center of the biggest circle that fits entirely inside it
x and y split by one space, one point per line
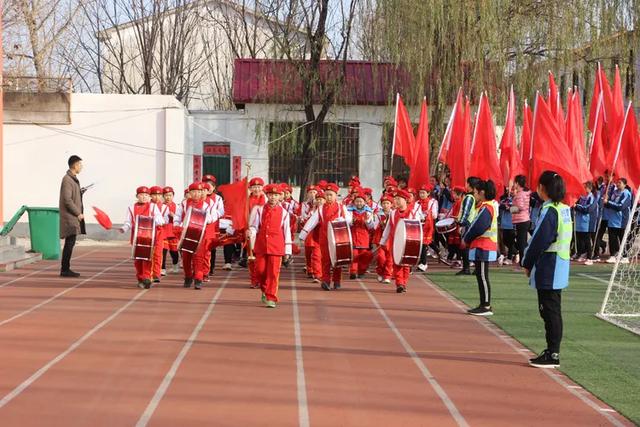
482 239
468 211
546 262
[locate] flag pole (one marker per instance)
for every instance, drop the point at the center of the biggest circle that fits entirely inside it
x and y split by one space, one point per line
395 130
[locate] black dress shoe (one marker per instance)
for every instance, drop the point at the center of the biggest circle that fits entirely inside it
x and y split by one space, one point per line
463 273
69 273
147 283
325 286
187 283
198 284
353 276
336 286
156 280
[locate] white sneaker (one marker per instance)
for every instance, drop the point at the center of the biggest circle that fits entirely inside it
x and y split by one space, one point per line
176 269
611 260
422 267
501 259
624 260
516 259
163 272
386 281
588 262
227 267
380 279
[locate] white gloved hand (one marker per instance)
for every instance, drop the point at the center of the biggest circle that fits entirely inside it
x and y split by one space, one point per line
230 231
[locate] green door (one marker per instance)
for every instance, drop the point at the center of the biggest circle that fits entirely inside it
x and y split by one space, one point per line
217 161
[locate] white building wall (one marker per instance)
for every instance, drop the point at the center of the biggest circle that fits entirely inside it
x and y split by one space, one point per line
122 140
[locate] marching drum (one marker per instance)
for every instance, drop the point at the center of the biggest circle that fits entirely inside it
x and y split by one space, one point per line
144 236
340 247
193 229
446 225
407 242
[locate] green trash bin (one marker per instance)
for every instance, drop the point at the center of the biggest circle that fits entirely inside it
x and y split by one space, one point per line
44 228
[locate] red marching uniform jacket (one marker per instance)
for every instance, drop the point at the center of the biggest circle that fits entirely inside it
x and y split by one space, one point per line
142 209
381 223
321 218
273 235
361 224
390 230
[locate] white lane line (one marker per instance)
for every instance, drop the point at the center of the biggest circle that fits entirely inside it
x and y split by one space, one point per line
303 408
512 343
453 410
168 378
40 372
59 294
597 279
43 269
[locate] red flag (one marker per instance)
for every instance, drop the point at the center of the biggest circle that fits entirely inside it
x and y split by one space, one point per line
446 141
103 219
236 203
458 154
484 156
626 158
525 139
597 91
510 162
420 166
555 104
575 137
612 121
403 139
618 102
597 156
550 151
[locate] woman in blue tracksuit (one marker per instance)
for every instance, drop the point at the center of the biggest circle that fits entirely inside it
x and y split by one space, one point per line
619 208
586 219
546 262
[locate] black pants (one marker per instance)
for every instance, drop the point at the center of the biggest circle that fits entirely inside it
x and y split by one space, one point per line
175 257
600 245
484 287
549 306
583 243
615 238
509 242
454 251
67 251
522 235
465 260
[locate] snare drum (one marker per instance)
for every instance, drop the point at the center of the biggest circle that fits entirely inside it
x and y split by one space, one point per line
144 236
407 242
446 225
194 227
340 246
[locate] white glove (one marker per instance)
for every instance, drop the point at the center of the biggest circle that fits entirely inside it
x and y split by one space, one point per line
230 231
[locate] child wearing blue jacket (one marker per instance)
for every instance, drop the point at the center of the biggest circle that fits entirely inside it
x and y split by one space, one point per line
546 263
619 208
586 220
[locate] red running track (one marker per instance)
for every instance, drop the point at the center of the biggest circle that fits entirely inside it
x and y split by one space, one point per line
98 351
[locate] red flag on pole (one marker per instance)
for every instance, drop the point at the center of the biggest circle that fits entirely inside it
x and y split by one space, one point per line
484 156
420 166
626 154
446 140
510 162
458 154
555 104
618 100
549 151
403 139
597 156
236 203
595 97
525 139
575 136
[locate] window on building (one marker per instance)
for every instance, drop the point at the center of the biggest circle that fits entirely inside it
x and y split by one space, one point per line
336 159
400 169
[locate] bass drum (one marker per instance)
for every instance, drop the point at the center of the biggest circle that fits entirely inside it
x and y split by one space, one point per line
340 246
446 225
407 242
144 236
194 227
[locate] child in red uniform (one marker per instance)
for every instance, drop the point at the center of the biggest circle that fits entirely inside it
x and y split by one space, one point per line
215 204
156 265
402 211
256 198
361 224
331 210
306 209
429 209
170 239
143 207
194 264
270 226
384 264
454 239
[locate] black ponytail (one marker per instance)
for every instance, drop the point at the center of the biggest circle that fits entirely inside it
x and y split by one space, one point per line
553 185
487 186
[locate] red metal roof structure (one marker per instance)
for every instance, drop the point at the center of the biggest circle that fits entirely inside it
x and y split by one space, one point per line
268 81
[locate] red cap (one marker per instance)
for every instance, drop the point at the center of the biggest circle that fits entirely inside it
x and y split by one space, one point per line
359 196
320 194
186 190
156 189
207 185
322 184
332 187
311 188
195 186
459 189
391 189
368 191
142 190
210 178
386 198
271 188
256 181
412 191
285 187
356 189
403 194
166 190
425 187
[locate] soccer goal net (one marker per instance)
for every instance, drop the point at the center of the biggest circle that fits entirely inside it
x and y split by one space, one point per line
621 305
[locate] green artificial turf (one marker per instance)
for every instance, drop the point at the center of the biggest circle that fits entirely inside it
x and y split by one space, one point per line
599 356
